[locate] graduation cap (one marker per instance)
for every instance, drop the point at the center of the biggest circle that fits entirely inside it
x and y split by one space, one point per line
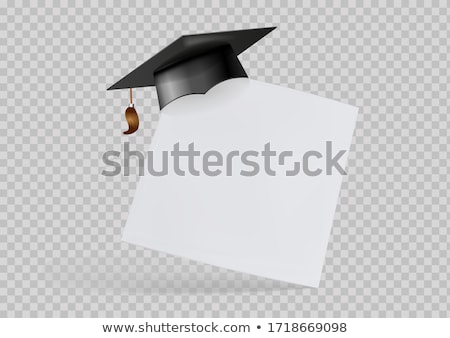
191 64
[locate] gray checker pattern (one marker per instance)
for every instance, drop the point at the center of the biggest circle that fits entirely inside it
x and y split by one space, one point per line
61 253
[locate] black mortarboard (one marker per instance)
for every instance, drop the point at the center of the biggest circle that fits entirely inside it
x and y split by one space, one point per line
193 64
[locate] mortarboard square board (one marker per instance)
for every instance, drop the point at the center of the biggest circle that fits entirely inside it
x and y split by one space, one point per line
262 164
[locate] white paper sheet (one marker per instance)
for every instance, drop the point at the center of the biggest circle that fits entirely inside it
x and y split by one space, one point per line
271 226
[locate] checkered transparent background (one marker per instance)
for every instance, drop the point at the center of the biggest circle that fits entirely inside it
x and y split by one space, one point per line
60 220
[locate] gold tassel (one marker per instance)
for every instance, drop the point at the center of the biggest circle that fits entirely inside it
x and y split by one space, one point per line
131 116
